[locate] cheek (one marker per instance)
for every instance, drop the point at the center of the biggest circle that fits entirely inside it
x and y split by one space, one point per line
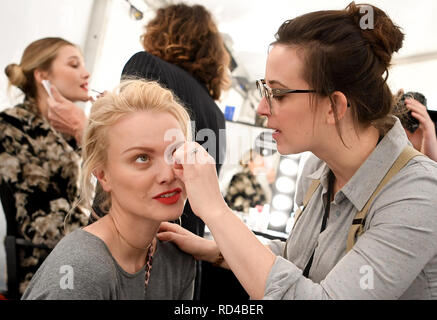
294 123
184 195
124 179
65 79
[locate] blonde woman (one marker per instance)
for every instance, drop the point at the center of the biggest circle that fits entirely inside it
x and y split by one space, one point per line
128 147
39 150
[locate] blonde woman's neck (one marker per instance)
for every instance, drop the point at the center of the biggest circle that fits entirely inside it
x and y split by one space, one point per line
127 240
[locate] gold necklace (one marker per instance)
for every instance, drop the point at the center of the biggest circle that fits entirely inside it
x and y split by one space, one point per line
124 239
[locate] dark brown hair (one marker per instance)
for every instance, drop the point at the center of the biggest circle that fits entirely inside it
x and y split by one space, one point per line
188 37
37 55
341 55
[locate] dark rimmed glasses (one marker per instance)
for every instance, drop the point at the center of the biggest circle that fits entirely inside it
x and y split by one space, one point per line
269 93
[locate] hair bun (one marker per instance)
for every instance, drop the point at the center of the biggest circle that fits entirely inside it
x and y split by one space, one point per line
15 75
384 37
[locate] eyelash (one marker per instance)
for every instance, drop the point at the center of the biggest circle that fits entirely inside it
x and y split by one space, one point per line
279 98
142 156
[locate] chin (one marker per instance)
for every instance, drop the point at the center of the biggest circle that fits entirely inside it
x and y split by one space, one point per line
286 150
173 212
83 97
173 216
283 150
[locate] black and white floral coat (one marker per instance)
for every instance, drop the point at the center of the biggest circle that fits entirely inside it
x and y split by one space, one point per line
39 170
245 192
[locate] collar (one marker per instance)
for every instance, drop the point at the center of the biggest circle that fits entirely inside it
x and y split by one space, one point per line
367 178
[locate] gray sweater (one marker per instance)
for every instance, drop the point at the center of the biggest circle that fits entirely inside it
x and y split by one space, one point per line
81 267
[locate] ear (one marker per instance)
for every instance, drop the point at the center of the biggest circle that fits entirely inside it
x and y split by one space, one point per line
341 105
103 179
40 75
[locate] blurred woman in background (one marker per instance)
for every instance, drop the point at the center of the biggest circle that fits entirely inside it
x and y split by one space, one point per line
40 148
244 190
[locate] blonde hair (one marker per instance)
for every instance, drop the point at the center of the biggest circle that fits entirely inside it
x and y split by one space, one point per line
38 55
129 97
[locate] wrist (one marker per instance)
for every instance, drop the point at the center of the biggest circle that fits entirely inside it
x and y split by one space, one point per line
216 213
78 133
214 255
218 260
78 137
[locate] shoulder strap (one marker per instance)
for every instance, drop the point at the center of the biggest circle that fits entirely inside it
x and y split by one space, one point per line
311 190
356 228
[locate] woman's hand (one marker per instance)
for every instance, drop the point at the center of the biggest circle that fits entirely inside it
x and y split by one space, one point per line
65 116
199 248
429 138
196 168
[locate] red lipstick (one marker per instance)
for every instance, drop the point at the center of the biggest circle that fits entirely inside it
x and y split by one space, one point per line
85 86
169 197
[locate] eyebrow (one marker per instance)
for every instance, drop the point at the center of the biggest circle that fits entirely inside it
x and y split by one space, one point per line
270 82
146 149
73 58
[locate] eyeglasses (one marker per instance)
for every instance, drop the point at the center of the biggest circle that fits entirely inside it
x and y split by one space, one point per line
269 93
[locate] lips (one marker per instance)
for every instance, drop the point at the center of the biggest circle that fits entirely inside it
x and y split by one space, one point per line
84 86
276 133
169 197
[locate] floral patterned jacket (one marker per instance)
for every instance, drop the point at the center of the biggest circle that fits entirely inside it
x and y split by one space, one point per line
39 171
245 192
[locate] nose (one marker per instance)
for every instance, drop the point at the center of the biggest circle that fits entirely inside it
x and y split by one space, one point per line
165 173
263 108
85 74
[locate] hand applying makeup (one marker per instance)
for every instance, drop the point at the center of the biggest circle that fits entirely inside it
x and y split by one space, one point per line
65 116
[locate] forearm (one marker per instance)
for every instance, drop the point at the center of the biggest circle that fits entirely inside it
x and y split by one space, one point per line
246 256
429 146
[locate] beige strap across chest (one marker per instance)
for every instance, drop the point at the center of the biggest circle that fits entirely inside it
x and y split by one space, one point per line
357 227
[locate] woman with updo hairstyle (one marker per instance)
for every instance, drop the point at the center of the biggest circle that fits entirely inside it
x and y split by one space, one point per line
245 190
366 223
40 150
